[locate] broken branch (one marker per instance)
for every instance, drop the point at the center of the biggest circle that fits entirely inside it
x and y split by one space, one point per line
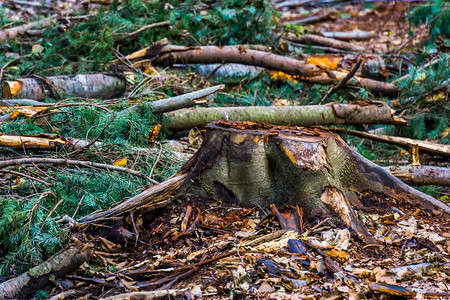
173 103
63 161
64 262
424 146
421 175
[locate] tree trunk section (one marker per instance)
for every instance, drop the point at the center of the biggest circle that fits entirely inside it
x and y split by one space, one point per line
98 86
38 277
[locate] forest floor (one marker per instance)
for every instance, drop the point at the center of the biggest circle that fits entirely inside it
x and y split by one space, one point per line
213 249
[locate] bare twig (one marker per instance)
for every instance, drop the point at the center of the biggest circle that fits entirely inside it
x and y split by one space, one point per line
78 206
26 176
122 36
62 161
343 81
50 214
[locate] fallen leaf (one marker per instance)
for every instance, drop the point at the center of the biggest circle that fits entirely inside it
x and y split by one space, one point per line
121 162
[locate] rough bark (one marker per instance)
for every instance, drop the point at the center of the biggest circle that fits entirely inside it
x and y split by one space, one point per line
421 175
99 86
64 262
321 40
14 32
173 103
358 113
259 164
424 146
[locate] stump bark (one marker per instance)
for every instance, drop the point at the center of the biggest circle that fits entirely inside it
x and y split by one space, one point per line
260 164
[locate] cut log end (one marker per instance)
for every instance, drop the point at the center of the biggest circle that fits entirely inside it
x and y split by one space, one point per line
260 164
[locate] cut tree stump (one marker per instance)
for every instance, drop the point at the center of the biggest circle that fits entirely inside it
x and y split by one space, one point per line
260 164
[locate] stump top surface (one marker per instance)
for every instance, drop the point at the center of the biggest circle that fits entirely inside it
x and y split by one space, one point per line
260 128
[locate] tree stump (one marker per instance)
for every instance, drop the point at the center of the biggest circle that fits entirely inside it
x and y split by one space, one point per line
260 164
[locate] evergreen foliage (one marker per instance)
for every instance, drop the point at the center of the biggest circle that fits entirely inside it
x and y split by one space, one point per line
425 102
89 45
436 14
27 232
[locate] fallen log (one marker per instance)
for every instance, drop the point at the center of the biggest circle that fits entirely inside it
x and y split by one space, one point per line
424 146
36 142
358 113
42 141
60 264
321 40
301 19
173 103
374 86
350 35
421 175
166 55
100 86
12 33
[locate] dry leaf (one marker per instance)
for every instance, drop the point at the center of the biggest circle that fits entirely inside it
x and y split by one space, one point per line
121 162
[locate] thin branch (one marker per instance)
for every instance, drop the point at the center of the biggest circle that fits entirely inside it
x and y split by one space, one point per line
62 161
343 81
26 176
132 34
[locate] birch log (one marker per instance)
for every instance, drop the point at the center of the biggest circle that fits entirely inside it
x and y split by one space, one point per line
100 86
360 113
